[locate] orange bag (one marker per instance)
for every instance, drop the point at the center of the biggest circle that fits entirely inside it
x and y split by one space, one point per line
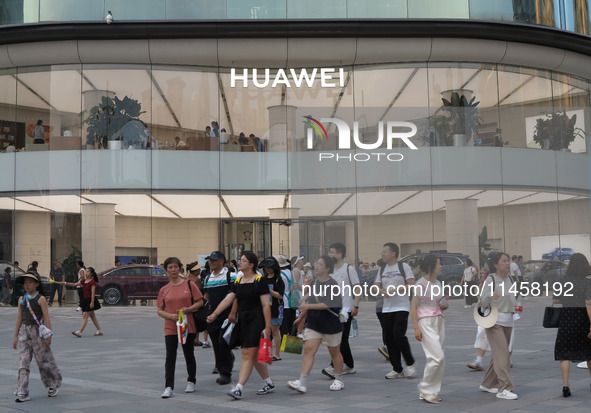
265 351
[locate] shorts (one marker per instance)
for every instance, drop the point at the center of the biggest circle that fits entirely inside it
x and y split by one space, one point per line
276 321
331 340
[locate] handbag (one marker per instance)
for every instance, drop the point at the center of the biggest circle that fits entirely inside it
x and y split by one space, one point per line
292 344
44 331
551 317
265 351
200 316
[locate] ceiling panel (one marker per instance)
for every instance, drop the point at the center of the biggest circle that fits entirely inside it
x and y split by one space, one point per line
57 203
317 205
253 205
193 206
137 205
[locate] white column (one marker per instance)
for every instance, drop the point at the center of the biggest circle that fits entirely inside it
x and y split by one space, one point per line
32 239
461 223
286 239
281 127
98 236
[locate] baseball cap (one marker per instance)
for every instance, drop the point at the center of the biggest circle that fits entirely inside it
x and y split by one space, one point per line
216 255
282 260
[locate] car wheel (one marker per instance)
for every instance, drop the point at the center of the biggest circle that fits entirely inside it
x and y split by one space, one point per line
112 295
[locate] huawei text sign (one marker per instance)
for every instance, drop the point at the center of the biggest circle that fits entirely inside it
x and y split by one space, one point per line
328 77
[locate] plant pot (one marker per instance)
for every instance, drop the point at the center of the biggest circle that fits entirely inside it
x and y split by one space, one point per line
459 139
116 145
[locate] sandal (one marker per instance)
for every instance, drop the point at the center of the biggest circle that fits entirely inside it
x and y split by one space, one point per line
276 358
77 333
430 398
98 333
337 385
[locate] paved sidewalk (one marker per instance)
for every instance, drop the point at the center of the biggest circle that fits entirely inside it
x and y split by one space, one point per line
123 371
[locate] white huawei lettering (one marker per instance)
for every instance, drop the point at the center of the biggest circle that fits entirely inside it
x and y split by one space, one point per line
329 77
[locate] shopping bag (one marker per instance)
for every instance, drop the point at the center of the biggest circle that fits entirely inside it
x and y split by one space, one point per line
228 333
182 328
292 344
354 332
551 317
265 351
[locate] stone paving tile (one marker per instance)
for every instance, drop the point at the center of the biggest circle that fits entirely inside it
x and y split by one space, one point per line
123 371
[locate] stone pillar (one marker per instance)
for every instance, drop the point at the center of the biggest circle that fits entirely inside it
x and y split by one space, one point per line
282 125
286 238
461 223
98 236
32 239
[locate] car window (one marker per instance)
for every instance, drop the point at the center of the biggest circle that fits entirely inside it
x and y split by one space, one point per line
126 272
157 272
450 261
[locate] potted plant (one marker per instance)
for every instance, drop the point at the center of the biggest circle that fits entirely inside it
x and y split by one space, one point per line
114 120
556 131
461 119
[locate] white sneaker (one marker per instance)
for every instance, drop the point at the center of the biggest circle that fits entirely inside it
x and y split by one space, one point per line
507 395
394 375
206 344
409 371
492 390
296 385
167 393
467 306
329 371
79 309
190 388
349 370
337 385
582 365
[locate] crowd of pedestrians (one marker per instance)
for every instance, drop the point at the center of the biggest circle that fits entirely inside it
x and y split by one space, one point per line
254 299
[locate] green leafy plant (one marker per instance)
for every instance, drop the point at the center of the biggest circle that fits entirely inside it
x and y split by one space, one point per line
109 116
460 118
69 264
557 131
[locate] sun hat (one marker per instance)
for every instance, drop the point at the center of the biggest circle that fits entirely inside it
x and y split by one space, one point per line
297 260
486 317
29 274
282 260
307 265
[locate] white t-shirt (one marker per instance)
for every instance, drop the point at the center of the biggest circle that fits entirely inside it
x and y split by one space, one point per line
343 279
468 274
515 269
392 278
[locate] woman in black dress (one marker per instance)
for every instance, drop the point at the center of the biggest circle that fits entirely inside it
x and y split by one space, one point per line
573 340
251 290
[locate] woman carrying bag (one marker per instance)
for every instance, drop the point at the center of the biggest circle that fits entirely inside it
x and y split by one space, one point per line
496 291
573 339
251 290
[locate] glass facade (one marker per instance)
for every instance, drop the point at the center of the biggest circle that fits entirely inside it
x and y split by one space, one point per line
571 15
266 167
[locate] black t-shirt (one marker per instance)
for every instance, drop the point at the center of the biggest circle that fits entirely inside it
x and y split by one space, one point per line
324 321
276 284
248 295
57 274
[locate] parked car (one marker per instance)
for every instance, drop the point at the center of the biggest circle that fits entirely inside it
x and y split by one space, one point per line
544 271
561 254
121 284
16 271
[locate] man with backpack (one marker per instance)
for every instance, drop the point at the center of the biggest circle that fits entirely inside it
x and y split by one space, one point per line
346 277
393 280
216 286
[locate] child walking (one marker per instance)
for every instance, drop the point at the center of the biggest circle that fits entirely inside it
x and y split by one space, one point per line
89 303
33 311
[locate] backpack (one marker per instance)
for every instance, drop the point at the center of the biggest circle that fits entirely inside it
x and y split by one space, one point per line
402 272
256 281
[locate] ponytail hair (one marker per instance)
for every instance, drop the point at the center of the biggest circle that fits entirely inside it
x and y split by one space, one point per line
93 273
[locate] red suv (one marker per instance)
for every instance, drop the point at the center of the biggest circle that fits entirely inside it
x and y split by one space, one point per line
121 284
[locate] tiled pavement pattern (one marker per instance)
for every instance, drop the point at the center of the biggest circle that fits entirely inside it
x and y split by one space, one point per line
123 371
